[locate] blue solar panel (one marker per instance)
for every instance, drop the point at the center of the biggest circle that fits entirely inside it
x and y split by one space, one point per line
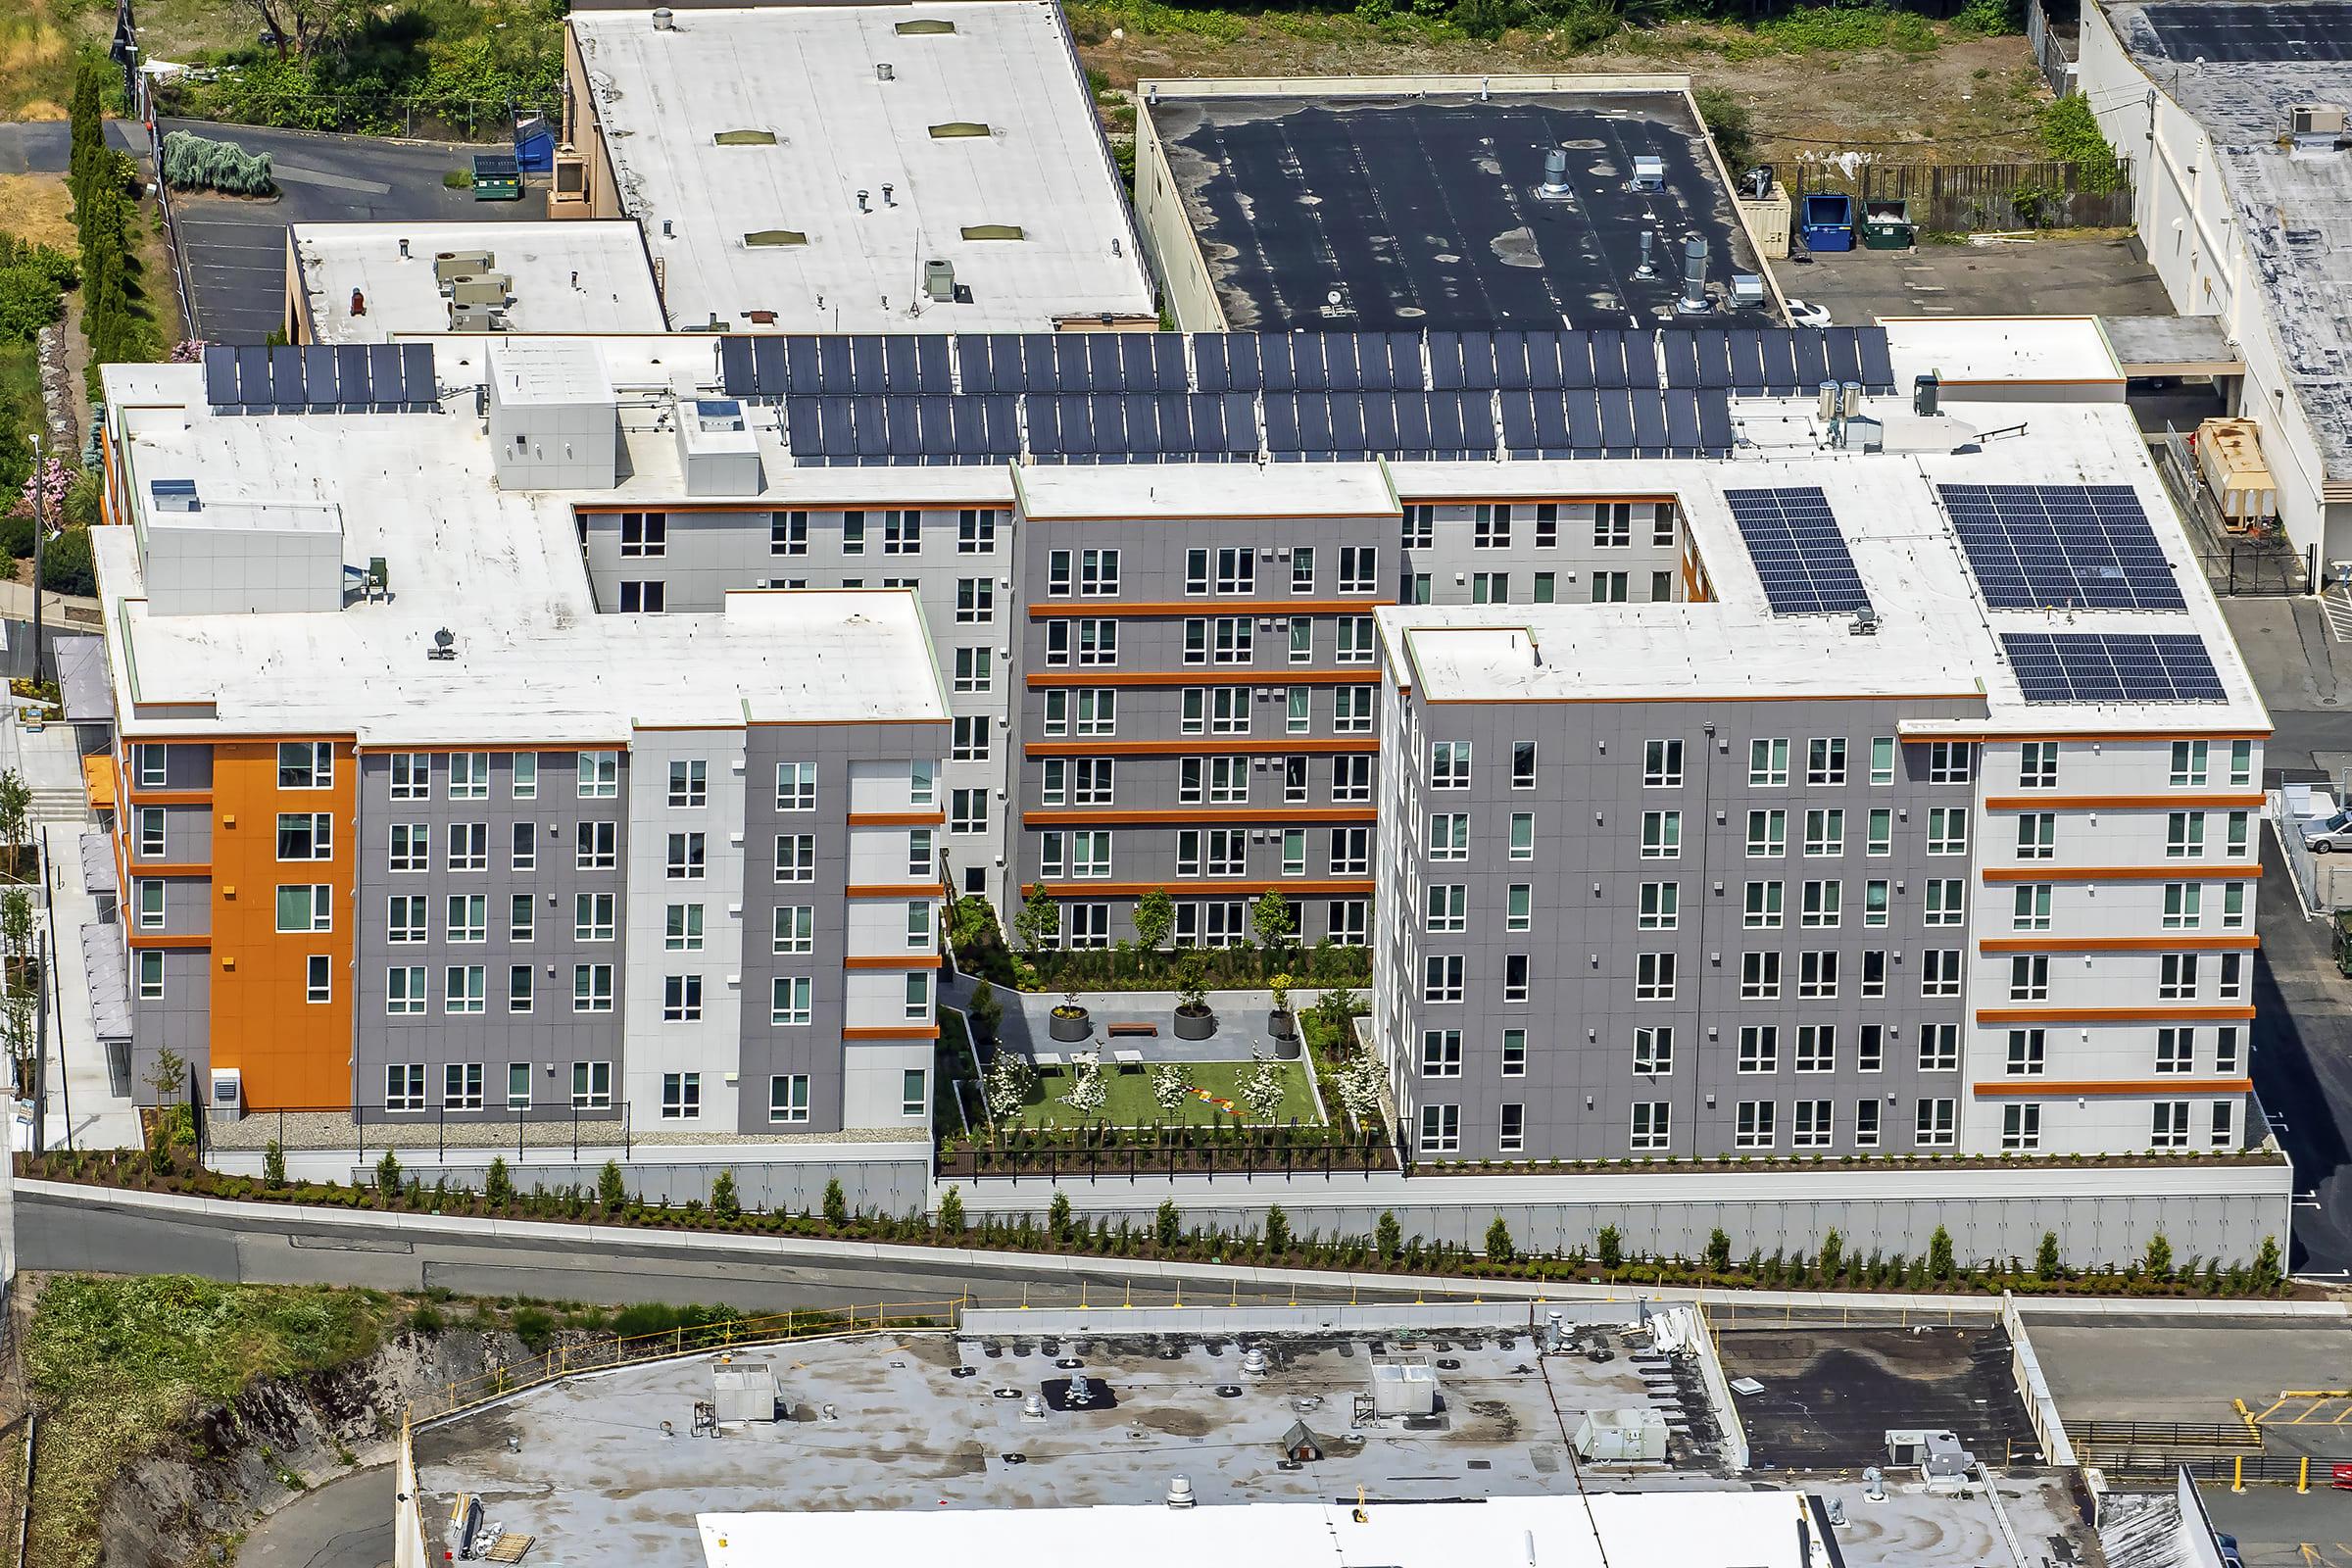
2112 667
2071 546
1792 537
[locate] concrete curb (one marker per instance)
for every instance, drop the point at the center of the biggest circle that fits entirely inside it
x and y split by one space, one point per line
593 1238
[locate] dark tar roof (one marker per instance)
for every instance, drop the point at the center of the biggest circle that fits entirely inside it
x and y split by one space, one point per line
2249 32
1423 213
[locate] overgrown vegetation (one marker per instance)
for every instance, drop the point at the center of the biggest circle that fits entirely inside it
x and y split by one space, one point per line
343 65
115 316
2072 134
116 1369
199 163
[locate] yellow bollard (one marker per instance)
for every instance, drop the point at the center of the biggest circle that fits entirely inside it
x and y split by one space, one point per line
2303 1477
2237 1474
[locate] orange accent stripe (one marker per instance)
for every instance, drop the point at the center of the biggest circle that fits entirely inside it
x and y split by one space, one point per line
1062 608
1293 814
2176 871
169 867
167 939
894 890
906 961
2037 1089
897 818
912 1031
2186 1015
2116 803
139 797
1185 889
1203 744
2174 944
1274 676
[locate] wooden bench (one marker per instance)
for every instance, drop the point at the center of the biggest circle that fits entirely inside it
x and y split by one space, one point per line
1123 1031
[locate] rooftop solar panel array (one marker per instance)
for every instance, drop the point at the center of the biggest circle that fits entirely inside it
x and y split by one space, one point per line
1756 362
322 378
1792 537
2077 546
2113 667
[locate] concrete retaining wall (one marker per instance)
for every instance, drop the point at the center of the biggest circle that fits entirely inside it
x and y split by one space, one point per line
2100 1213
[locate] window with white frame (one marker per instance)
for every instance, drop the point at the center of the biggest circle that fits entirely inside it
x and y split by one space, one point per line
2169 1124
689 783
301 766
1661 764
2038 766
1661 835
596 847
411 774
1768 762
2029 907
2028 1054
306 836
1654 977
1816 1047
796 857
1440 1053
788 1098
2020 1128
1759 1048
593 918
2184 836
464 989
1825 761
1440 1129
469 918
1753 1124
404 1086
403 990
469 846
1658 908
1946 902
1951 761
1761 906
1937 1123
794 929
1767 834
1823 905
1759 976
301 907
1654 1050
1653 1126
1939 1048
1940 972
1442 977
598 775
1449 836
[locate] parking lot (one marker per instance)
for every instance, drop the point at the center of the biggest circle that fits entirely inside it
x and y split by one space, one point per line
2047 277
234 250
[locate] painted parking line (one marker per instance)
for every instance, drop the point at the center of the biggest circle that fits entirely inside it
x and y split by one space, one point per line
2336 603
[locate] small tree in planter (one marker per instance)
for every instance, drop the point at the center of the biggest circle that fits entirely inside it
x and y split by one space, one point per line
1282 1023
985 1014
1335 1011
1194 1019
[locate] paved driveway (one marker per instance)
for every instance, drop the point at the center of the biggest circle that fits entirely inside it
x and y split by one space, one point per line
234 252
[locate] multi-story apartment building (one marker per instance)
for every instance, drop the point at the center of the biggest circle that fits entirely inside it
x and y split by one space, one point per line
1926 828
409 826
1701 868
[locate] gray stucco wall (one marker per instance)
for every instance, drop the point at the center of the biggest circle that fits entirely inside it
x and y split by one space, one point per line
1584 940
551 1034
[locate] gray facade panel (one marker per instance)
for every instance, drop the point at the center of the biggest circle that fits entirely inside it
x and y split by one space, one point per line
551 1035
1583 945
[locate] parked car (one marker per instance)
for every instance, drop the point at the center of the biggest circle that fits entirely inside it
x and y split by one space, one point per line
2329 833
1801 313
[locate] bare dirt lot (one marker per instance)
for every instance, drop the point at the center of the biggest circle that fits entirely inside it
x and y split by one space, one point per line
1929 95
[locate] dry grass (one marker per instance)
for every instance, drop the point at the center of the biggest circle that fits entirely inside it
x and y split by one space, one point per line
36 63
1950 99
35 207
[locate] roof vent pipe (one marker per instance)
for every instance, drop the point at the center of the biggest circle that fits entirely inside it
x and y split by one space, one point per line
1555 171
884 72
1648 267
663 21
1828 400
404 250
1694 277
1852 391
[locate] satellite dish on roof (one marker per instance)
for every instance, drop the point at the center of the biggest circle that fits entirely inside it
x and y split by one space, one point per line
444 638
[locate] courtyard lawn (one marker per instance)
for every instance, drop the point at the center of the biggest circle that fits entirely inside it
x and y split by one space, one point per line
1129 1101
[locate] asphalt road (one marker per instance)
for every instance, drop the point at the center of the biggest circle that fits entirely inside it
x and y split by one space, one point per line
97 1236
2302 1065
234 251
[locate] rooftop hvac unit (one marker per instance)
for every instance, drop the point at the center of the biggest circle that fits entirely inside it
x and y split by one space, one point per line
2315 119
1937 1454
1747 291
1650 172
449 264
1403 1385
1610 1437
476 319
744 1390
481 288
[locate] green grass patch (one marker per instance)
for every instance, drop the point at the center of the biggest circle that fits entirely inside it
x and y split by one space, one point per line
1130 1103
118 1367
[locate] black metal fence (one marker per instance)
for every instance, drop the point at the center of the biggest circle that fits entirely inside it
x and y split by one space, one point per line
1981 198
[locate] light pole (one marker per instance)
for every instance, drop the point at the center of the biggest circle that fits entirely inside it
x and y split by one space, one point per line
40 530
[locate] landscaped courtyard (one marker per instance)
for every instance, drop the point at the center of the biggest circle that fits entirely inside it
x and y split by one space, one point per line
1128 1100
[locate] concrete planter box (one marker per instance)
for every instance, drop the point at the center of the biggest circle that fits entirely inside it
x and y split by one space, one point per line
1070 1028
1195 1026
1284 1027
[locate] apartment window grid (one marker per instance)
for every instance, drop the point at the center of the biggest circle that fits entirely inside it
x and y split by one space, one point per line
1661 764
2028 1054
1825 761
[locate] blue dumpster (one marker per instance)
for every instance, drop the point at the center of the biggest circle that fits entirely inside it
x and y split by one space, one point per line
1829 222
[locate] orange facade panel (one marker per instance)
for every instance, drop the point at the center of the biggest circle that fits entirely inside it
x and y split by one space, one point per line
290 1051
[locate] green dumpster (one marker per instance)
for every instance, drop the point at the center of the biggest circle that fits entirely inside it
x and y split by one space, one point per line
497 178
1886 225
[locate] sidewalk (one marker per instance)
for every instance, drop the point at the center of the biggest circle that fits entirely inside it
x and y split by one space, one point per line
76 1069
